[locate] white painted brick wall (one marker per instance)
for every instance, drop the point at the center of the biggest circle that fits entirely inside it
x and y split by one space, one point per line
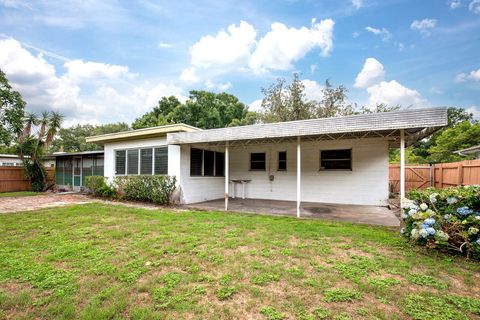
109 148
366 184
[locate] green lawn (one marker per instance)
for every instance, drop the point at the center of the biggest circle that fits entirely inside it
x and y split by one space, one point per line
99 261
21 194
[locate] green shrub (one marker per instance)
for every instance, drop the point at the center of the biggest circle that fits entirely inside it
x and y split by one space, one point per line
447 219
99 187
156 189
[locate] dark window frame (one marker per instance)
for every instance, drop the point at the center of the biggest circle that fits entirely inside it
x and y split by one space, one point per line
264 161
124 151
337 159
154 165
213 170
282 161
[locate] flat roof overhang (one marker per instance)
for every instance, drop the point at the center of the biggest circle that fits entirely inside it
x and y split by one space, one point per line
416 123
141 133
81 153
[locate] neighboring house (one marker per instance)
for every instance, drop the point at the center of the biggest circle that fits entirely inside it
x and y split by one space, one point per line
333 160
72 168
474 151
12 160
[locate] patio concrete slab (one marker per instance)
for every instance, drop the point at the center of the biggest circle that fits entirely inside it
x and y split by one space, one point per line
374 215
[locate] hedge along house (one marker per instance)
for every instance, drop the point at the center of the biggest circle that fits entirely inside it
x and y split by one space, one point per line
340 160
72 168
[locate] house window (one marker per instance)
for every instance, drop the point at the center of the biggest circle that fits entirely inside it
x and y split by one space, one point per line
146 161
161 160
132 161
196 159
336 159
282 161
206 163
219 164
257 161
120 162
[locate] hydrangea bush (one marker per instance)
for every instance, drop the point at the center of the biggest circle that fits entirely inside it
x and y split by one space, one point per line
447 219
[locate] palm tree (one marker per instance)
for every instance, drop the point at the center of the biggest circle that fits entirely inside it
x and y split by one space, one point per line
54 125
35 146
30 121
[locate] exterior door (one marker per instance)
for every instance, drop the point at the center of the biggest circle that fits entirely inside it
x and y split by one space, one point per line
77 173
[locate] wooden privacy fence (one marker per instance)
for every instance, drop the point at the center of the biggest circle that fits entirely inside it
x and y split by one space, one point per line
442 175
13 179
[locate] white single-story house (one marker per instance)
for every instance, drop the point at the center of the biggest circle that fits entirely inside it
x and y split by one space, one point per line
331 160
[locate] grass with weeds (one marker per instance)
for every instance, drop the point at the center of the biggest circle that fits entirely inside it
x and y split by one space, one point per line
21 194
99 261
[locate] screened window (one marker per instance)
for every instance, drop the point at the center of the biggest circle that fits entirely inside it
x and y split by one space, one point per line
206 163
196 159
257 161
219 164
120 161
146 161
132 161
282 161
161 160
336 159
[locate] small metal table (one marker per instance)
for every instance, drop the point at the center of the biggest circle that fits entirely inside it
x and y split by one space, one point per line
241 181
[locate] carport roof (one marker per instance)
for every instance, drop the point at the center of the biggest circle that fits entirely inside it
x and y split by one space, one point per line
418 123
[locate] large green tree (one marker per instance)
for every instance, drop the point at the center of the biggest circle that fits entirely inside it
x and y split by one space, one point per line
288 102
461 132
203 109
73 139
12 108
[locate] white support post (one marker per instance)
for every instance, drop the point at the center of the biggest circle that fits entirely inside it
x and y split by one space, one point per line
402 166
299 175
227 169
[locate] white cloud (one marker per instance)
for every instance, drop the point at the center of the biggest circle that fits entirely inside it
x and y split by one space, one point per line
238 50
165 45
313 90
189 75
393 93
210 85
355 34
461 77
473 75
384 33
45 88
455 4
357 3
78 69
282 46
387 92
372 73
424 26
226 48
475 110
436 90
255 105
474 6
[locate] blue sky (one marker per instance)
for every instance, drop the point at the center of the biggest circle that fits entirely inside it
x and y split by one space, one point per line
107 61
